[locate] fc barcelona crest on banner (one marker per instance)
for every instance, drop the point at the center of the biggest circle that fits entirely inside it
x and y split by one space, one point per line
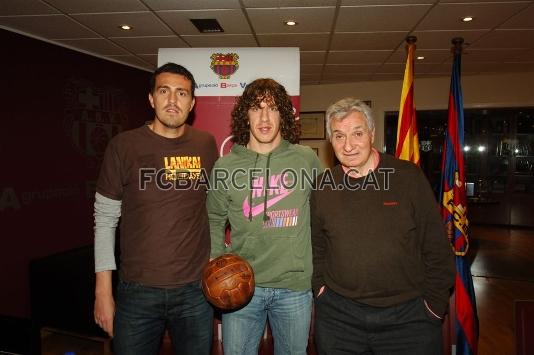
224 65
92 115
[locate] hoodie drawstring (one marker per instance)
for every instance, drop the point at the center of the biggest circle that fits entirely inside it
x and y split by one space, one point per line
265 185
250 190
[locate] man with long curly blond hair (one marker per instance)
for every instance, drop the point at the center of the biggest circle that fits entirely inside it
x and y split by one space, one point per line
262 189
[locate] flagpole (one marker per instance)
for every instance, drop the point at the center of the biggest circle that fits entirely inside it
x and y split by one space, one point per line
410 40
453 203
457 48
457 43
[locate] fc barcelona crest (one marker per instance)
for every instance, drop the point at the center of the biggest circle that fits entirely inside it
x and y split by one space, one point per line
224 65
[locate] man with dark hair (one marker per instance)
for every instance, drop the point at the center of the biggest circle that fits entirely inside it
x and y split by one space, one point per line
151 178
262 189
382 265
173 68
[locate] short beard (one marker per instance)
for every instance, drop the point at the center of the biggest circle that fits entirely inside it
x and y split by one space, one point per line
170 125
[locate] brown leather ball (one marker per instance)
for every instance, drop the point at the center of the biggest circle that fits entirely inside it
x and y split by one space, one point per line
228 282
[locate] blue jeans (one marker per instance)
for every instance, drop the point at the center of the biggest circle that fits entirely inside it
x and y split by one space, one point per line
143 313
345 327
289 314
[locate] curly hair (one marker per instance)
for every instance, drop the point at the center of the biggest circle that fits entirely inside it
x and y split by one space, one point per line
259 90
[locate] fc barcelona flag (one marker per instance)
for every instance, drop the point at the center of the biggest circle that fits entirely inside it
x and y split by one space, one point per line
407 138
453 203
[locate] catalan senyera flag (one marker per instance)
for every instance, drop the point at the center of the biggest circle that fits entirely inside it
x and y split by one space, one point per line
407 138
453 204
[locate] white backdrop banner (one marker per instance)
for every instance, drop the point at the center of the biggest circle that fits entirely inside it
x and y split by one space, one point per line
226 71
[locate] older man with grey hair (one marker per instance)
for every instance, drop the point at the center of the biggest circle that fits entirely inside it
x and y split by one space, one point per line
382 265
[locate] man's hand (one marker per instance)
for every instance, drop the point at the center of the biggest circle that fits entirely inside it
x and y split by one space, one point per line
104 311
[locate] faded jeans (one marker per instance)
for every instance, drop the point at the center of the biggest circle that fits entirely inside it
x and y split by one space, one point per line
289 315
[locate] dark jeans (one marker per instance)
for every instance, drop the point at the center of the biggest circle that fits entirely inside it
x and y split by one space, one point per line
143 313
346 327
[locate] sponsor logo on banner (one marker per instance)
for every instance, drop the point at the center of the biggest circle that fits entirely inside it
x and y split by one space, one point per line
224 65
222 85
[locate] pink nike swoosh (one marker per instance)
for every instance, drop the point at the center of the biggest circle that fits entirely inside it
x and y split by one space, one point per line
256 210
